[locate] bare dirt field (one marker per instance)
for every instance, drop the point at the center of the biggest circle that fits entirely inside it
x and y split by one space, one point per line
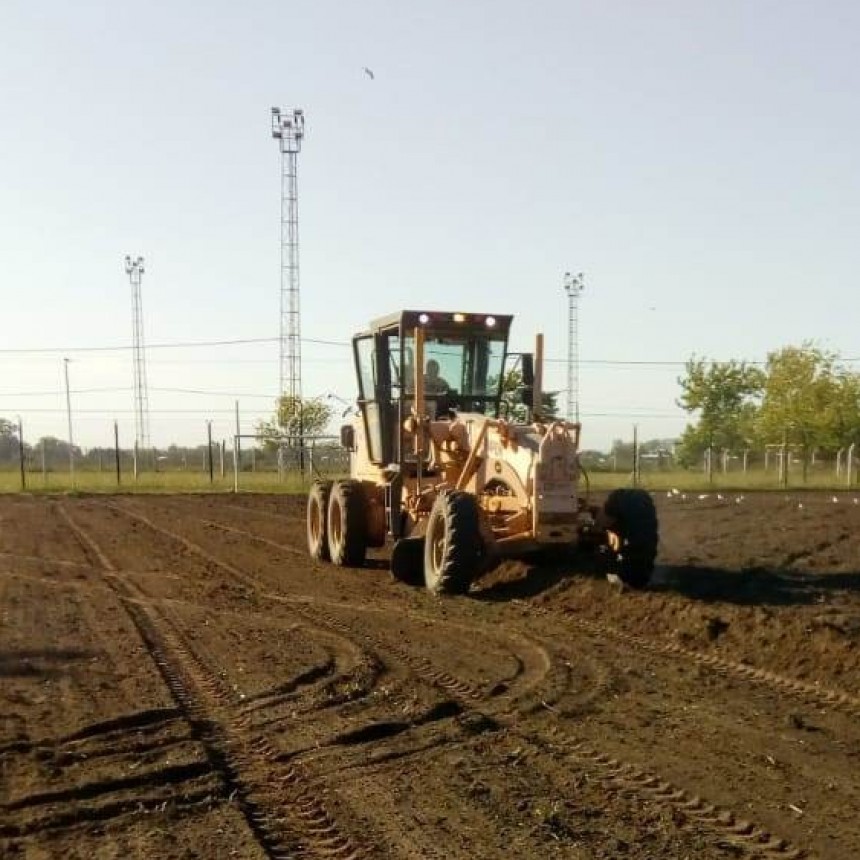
178 679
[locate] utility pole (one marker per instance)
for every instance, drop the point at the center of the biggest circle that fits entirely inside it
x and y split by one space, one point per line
134 270
573 286
69 416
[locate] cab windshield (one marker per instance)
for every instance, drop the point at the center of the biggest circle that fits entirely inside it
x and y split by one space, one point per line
462 370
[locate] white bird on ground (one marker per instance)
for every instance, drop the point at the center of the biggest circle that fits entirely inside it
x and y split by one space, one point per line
368 72
702 496
835 499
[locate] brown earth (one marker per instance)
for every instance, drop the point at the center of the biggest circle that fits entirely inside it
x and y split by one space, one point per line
178 679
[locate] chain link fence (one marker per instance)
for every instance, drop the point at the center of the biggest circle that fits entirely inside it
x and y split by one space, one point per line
250 462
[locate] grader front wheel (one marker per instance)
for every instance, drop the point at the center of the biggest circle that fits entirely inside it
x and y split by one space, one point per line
633 539
452 546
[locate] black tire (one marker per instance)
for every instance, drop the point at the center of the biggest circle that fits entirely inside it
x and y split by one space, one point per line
407 560
453 548
346 526
635 523
317 516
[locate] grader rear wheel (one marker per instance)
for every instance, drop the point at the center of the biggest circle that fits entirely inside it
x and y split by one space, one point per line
346 524
317 513
453 548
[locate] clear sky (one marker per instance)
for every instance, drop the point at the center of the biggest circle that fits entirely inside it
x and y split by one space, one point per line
697 161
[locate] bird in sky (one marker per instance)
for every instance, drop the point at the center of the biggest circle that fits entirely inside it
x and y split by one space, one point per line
369 73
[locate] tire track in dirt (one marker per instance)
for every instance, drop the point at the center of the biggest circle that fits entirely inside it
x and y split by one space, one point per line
613 772
117 745
694 811
298 607
811 694
347 685
538 666
280 808
438 679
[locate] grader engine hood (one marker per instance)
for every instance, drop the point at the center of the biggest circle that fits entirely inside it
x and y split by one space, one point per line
535 467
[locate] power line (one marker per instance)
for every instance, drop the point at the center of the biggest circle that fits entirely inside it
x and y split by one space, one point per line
198 411
610 362
58 392
212 392
191 344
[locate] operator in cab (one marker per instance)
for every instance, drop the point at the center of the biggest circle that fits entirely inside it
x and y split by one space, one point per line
433 382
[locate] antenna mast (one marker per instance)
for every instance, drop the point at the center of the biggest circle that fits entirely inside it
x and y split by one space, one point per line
289 129
574 286
134 270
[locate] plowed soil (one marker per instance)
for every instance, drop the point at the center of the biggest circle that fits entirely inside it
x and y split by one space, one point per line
178 679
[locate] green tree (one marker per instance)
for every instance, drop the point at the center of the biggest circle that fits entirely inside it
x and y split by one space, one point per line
295 417
725 394
808 401
513 407
56 451
8 441
842 414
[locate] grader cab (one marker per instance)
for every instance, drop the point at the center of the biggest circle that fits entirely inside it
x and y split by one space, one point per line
453 460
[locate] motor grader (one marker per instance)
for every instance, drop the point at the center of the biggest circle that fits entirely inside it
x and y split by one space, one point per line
456 471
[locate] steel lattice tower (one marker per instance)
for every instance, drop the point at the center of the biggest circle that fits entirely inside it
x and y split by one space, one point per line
134 270
288 130
573 285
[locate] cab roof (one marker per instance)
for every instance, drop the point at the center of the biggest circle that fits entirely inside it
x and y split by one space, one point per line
446 320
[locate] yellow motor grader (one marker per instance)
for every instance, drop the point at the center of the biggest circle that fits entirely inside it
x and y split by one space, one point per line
458 473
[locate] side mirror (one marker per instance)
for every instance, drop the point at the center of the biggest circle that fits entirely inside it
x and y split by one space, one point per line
528 388
528 362
347 437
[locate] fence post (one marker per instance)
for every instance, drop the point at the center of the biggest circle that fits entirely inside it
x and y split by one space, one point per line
209 452
746 455
44 464
236 463
223 449
21 454
850 468
635 455
783 465
839 462
116 453
237 442
135 461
